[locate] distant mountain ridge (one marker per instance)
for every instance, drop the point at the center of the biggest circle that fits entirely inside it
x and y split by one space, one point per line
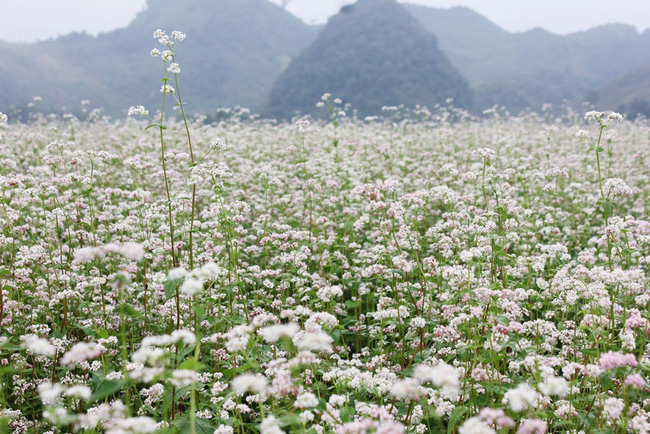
533 67
628 93
234 51
237 49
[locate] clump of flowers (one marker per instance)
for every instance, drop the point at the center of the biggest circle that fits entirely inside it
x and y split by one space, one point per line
402 280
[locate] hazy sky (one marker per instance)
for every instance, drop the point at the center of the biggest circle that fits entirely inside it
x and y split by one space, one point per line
30 20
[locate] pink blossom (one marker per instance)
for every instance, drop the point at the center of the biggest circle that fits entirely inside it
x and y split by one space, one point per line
132 251
635 380
613 360
87 254
81 352
391 427
532 426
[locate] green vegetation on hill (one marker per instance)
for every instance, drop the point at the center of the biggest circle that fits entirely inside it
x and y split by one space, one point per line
372 54
234 51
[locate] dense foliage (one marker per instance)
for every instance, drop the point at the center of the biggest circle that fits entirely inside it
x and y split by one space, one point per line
406 275
422 271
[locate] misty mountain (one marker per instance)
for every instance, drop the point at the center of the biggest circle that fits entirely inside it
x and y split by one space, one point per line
534 67
234 51
237 50
371 54
628 93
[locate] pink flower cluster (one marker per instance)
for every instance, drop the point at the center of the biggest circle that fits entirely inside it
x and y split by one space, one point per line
613 360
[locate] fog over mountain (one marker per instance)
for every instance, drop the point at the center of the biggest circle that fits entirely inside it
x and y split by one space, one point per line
372 54
519 70
234 52
238 50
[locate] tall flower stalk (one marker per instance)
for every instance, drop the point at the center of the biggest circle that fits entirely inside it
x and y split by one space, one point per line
171 69
603 120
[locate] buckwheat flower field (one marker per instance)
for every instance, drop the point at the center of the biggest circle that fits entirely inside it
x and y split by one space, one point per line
435 272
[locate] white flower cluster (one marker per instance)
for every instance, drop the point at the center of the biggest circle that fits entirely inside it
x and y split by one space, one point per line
166 88
132 251
218 145
238 338
183 377
407 389
178 36
521 398
167 55
138 110
302 126
306 400
270 425
487 154
603 118
248 383
475 425
593 114
38 346
150 351
166 40
315 341
582 135
274 333
81 352
441 375
616 187
554 386
194 280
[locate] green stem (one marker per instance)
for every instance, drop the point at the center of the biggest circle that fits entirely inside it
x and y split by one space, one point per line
164 165
189 141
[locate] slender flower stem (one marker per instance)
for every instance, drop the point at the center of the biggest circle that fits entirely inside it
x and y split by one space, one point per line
602 194
164 165
600 178
189 141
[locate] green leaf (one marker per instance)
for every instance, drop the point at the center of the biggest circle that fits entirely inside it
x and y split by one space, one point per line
202 427
607 207
346 414
5 273
103 334
199 310
192 365
131 311
171 286
167 398
184 352
353 304
4 425
455 417
106 388
168 430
